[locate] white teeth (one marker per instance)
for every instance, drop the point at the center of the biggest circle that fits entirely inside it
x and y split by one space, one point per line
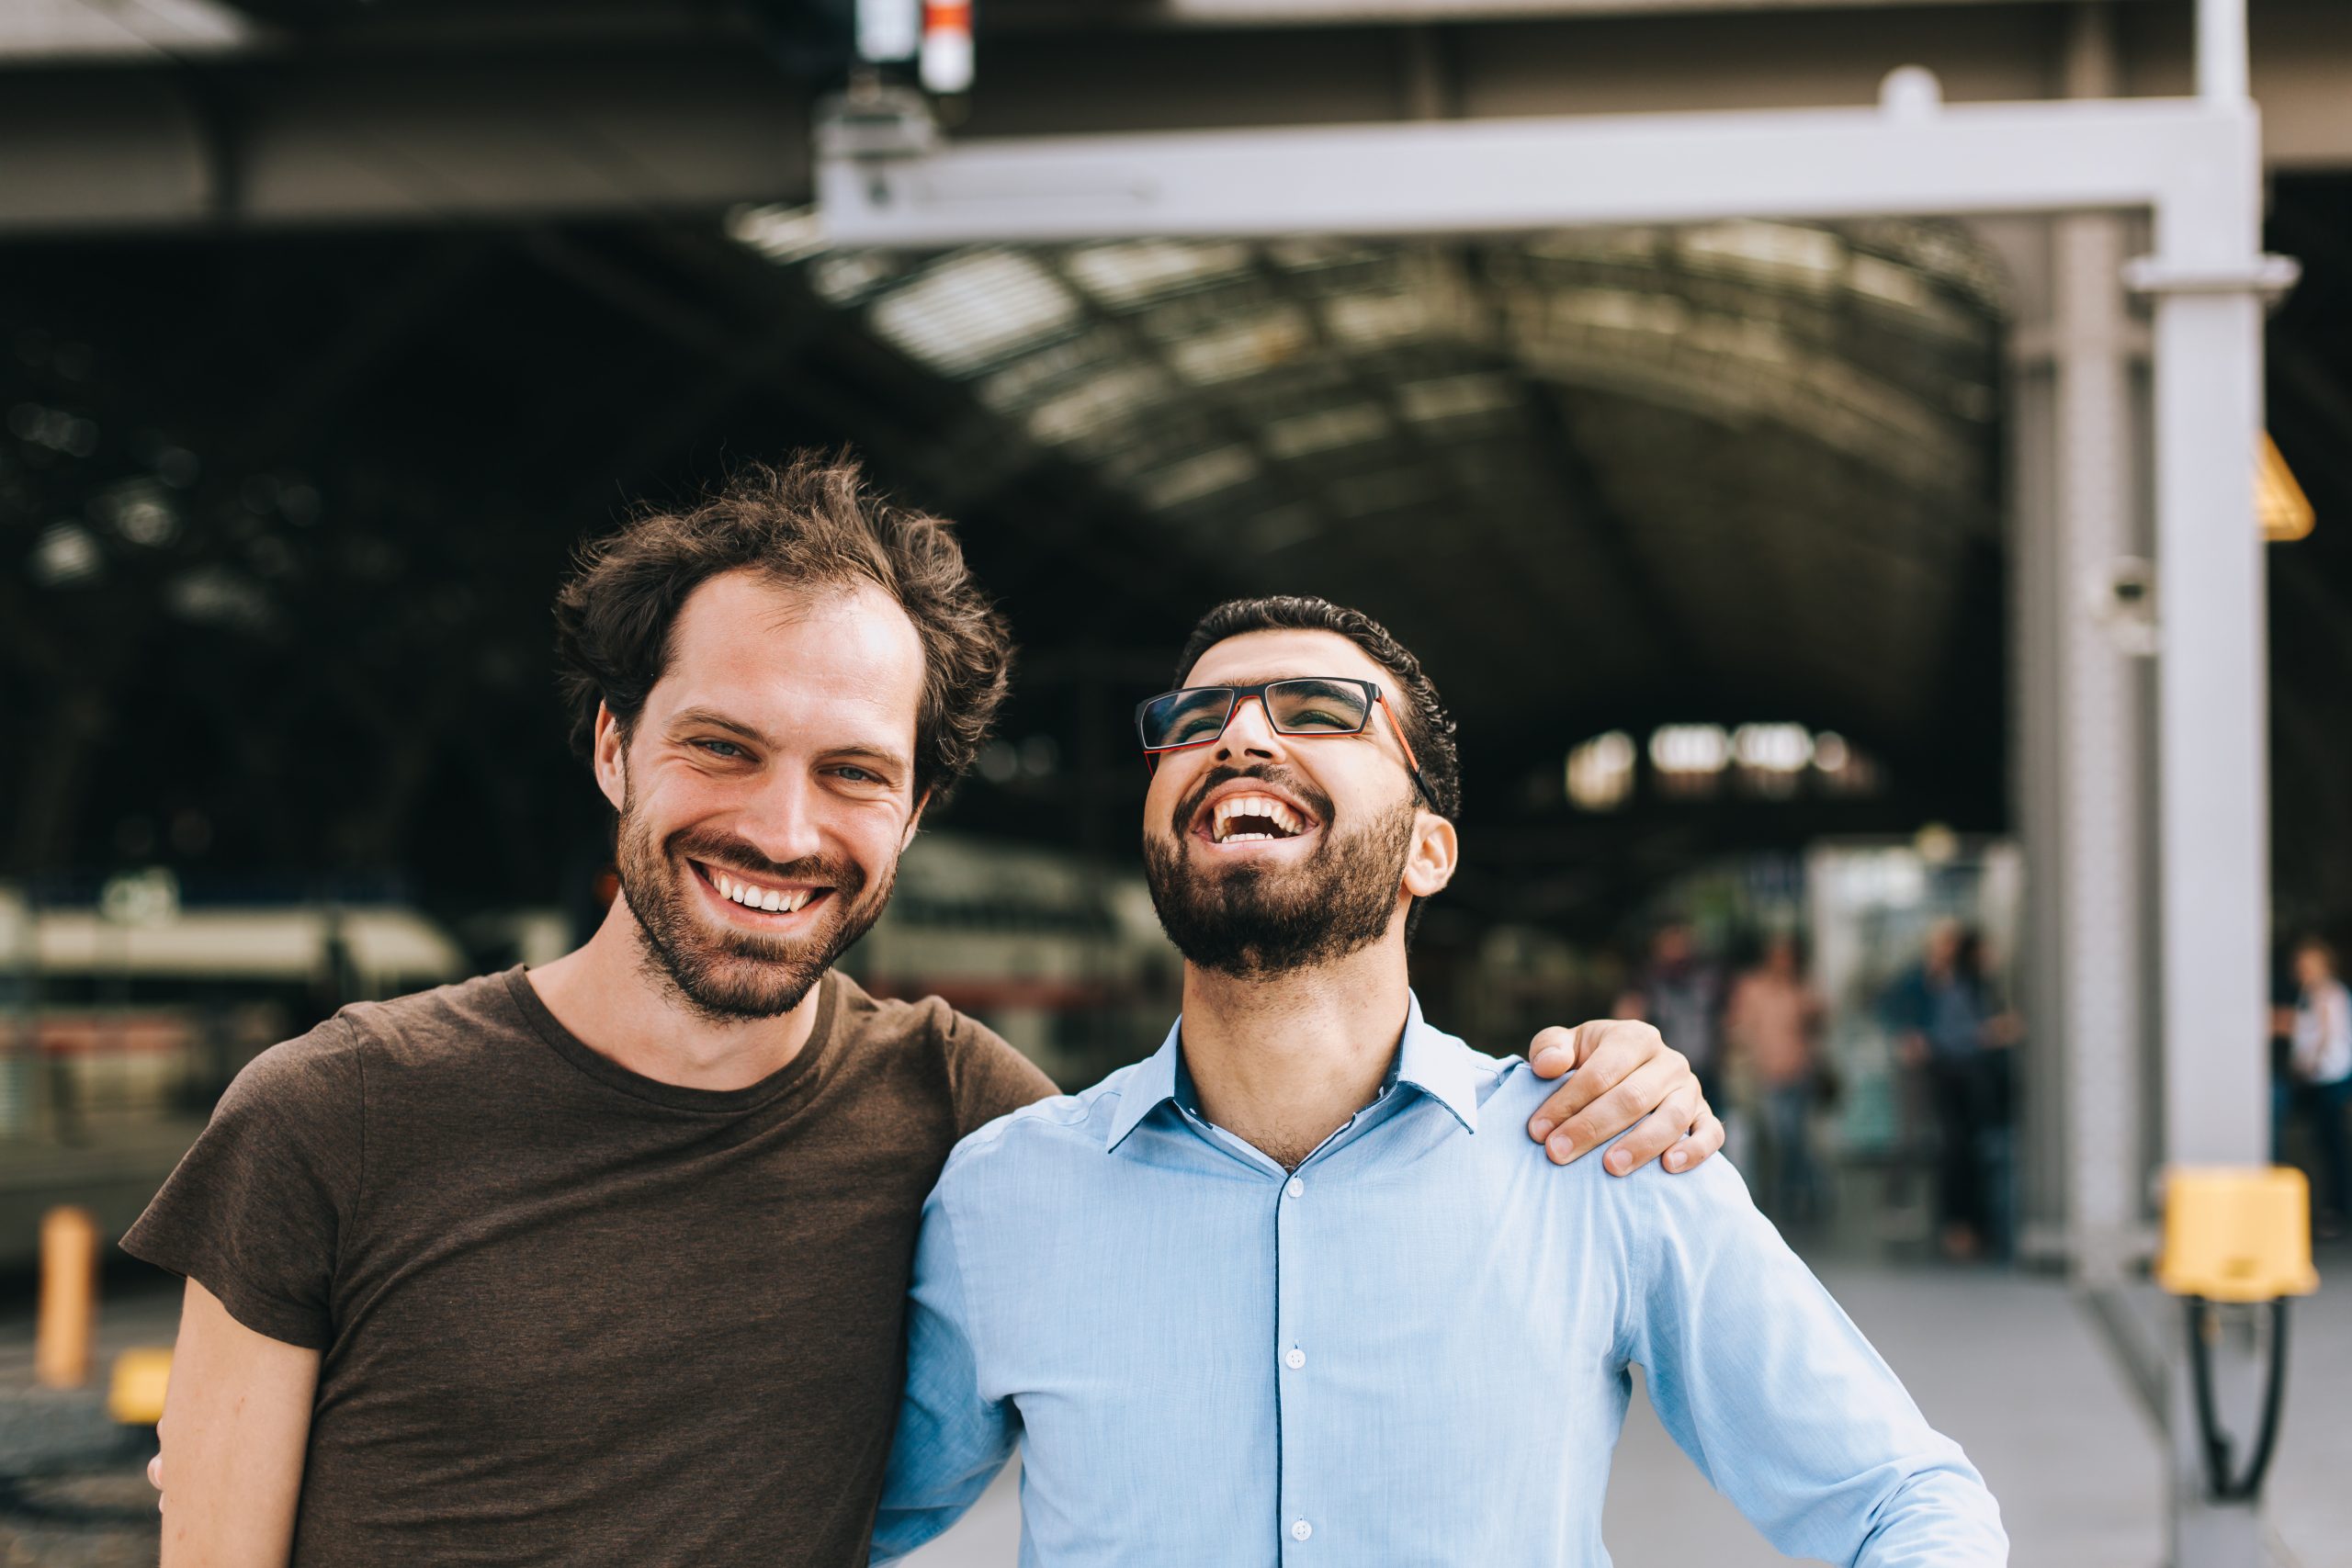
752 897
1264 805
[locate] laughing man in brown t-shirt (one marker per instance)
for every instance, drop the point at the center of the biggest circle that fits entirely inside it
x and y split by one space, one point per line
605 1262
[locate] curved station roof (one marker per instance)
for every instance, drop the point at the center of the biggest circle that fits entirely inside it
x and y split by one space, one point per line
1739 472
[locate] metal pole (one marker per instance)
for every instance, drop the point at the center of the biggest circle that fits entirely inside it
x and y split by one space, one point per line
2097 861
2212 759
2221 74
2211 718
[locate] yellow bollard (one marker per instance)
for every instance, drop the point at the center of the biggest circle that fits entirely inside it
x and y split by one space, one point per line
141 1377
69 1298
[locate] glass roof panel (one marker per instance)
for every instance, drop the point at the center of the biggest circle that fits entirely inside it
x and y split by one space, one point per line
1135 272
974 308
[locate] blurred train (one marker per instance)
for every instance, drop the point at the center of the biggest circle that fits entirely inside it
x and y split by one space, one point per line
123 1018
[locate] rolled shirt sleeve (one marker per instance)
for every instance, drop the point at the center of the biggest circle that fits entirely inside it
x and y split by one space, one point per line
1768 1387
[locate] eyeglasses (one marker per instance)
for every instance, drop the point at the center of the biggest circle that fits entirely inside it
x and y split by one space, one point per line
1306 705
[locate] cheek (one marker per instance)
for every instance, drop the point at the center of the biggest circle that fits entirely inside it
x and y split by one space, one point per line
1159 798
870 833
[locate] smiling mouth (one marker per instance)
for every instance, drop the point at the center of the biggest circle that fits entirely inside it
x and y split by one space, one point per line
763 898
1252 818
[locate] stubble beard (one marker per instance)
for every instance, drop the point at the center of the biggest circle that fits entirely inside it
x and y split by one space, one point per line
1254 922
732 976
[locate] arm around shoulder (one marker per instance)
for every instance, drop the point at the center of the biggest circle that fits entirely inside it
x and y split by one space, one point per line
236 1425
953 1435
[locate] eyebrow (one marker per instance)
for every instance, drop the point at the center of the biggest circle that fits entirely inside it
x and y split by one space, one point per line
711 718
1268 680
872 754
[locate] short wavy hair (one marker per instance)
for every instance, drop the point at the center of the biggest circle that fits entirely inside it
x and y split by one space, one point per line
810 523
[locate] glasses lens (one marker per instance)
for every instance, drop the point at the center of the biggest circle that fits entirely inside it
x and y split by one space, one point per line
1182 719
1317 707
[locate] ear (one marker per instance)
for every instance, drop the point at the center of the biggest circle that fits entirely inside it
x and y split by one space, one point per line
1436 851
914 821
608 756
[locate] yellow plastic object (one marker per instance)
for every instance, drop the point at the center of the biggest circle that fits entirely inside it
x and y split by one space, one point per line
136 1396
2237 1234
69 1297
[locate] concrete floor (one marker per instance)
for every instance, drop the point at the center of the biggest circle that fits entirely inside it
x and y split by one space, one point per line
2009 1366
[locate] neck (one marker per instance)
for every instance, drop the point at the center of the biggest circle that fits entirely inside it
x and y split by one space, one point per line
604 994
1282 1063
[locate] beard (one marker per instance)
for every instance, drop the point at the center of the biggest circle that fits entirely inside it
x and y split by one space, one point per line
1253 921
729 976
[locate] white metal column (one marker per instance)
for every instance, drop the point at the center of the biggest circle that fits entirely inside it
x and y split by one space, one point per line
2094 855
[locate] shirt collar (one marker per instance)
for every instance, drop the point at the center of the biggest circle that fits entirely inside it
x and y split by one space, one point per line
1440 1067
1434 1063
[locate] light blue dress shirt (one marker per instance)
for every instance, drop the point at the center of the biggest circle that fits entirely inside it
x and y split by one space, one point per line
1414 1350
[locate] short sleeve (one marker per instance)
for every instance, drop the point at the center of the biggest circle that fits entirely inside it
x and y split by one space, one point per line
987 1076
255 1210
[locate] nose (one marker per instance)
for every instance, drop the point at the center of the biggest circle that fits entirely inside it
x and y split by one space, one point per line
1249 733
782 821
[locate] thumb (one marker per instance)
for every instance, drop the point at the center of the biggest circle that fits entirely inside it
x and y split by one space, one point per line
1554 1051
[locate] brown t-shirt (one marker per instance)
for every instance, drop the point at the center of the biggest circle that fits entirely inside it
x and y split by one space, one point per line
569 1315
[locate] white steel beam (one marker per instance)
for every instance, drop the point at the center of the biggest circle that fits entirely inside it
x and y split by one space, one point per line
1483 176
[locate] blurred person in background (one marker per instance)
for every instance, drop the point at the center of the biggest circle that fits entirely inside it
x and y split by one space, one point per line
1772 1037
1950 1026
1681 994
2317 1084
605 1261
1453 1323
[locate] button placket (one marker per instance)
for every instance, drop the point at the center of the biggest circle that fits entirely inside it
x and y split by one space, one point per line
1291 1292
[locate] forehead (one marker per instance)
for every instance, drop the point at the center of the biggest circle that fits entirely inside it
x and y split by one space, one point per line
1275 655
749 646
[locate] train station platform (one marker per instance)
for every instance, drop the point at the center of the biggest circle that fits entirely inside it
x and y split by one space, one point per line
2012 1368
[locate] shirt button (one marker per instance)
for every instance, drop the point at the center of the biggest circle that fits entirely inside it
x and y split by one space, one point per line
1300 1530
1295 1359
1297 1189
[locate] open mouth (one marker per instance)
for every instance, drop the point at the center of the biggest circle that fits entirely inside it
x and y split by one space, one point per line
1252 816
769 897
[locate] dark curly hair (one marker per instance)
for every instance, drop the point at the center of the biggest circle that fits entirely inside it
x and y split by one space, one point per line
809 523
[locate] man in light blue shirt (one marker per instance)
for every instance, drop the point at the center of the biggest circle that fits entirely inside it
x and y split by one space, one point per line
1294 1289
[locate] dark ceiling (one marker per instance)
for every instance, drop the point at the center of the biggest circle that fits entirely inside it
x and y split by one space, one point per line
289 507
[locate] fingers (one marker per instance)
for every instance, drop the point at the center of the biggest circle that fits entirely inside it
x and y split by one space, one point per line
1703 1142
1658 1134
1611 1049
1613 1111
1552 1052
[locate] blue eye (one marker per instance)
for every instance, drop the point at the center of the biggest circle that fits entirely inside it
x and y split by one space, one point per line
725 750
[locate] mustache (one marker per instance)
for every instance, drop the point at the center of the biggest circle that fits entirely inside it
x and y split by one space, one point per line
1314 799
734 854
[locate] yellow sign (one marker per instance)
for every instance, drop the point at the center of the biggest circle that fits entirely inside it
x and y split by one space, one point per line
2278 502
